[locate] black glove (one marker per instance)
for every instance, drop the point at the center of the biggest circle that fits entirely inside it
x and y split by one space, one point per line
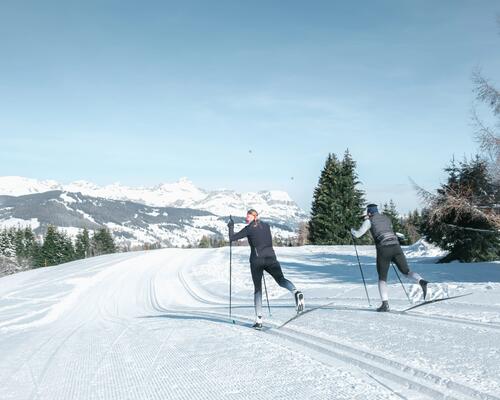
230 224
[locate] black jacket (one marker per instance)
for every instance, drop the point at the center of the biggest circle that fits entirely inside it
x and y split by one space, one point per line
259 239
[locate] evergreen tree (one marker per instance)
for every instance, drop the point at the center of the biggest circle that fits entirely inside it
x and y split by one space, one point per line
19 244
49 252
31 246
322 207
103 242
411 227
67 248
460 219
57 248
204 242
7 245
82 245
337 204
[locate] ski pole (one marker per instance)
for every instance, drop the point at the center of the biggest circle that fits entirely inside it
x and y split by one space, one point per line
361 269
400 281
230 269
267 297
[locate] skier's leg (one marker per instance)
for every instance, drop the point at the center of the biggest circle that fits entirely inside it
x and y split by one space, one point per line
274 269
413 275
383 262
257 271
382 289
400 261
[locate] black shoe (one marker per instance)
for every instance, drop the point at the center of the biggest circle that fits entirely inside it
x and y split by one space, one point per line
257 325
299 301
384 307
423 285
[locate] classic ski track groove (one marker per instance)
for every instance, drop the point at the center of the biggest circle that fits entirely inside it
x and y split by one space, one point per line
322 349
463 321
397 372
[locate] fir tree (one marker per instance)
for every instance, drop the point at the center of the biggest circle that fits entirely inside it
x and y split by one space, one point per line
19 244
7 246
49 252
204 242
103 243
31 246
82 244
337 204
411 226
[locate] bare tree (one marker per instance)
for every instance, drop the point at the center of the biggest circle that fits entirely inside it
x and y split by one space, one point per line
303 237
488 137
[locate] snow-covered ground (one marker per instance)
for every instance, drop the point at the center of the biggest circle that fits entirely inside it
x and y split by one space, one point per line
154 325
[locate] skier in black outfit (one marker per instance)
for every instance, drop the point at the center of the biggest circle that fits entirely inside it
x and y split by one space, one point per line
263 258
388 250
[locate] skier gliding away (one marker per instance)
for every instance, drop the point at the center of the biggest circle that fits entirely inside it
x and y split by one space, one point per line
263 258
388 250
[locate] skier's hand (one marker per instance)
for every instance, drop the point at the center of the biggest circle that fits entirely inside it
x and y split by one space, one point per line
230 224
353 232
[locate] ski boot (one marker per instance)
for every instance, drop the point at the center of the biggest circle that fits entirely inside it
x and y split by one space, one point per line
258 324
423 285
384 307
299 301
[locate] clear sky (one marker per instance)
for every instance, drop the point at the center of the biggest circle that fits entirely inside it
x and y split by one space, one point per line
244 95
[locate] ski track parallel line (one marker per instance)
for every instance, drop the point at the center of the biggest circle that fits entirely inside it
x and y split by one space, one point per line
350 354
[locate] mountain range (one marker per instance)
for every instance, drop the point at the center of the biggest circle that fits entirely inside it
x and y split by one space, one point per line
175 214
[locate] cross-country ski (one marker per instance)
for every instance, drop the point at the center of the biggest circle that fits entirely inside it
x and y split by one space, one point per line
436 301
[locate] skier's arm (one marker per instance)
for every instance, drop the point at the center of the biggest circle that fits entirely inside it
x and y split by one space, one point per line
365 227
236 236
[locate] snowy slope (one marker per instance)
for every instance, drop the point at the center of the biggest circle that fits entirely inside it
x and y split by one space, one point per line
275 205
153 325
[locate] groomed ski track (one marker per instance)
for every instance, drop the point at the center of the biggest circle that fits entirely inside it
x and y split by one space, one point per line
154 325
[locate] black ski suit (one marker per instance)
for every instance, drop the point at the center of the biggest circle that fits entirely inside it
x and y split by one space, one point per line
262 258
388 248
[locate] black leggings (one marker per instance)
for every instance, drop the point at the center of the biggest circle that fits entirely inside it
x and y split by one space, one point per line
273 267
388 254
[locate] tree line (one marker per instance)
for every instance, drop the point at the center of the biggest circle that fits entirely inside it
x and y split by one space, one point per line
462 217
20 248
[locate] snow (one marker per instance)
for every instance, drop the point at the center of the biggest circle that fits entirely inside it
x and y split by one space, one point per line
18 222
71 231
86 216
154 325
183 193
153 213
19 186
67 199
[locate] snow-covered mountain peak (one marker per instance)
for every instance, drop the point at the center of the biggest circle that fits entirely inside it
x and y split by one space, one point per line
80 186
276 195
184 193
19 186
183 185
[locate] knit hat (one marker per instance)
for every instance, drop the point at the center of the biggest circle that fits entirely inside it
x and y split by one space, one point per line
372 209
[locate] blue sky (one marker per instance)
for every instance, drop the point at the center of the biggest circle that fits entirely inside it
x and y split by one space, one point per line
242 95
